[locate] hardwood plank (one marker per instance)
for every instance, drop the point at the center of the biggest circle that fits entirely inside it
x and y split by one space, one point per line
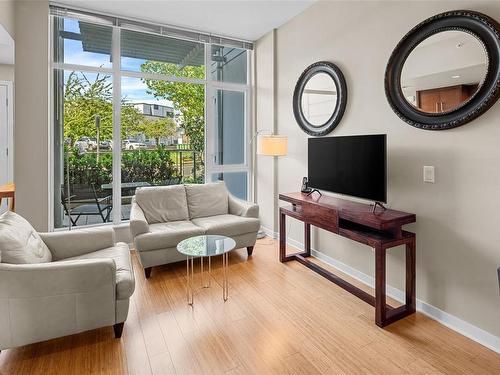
161 364
135 346
299 364
279 319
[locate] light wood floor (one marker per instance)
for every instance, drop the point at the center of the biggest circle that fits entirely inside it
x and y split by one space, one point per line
278 319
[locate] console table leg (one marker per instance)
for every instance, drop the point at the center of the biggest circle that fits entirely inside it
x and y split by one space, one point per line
282 237
411 275
380 308
307 239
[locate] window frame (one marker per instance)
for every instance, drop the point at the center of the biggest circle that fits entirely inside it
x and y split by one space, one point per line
210 85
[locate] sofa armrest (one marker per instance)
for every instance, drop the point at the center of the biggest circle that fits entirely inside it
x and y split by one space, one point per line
56 278
67 244
42 301
138 222
243 208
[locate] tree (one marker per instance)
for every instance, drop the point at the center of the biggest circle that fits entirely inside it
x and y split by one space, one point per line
188 98
85 99
131 120
156 129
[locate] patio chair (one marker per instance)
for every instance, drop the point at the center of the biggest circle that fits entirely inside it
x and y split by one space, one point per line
84 201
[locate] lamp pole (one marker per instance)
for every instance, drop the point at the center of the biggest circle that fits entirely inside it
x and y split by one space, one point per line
98 128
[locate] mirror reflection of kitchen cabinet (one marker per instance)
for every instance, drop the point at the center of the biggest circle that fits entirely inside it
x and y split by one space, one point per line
444 99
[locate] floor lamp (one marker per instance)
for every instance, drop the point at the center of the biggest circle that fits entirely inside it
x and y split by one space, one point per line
271 145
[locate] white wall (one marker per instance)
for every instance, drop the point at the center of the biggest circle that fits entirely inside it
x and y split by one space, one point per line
31 133
457 217
7 9
7 21
6 72
265 176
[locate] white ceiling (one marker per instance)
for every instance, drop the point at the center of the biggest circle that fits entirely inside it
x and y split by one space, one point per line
247 20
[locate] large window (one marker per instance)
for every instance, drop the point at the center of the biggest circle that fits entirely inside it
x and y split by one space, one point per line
139 108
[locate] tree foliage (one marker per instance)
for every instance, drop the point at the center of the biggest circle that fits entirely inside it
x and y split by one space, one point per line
84 99
188 98
156 129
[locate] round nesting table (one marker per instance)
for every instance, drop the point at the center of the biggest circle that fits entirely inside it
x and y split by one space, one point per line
206 246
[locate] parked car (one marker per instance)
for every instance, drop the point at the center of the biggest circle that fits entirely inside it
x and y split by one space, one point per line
82 144
133 145
92 142
150 143
86 143
105 145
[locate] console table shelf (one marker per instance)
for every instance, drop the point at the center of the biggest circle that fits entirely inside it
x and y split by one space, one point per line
380 230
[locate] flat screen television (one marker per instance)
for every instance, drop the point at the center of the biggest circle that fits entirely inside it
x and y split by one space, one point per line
351 165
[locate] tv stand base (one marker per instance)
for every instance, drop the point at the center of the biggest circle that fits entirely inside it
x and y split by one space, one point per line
378 204
314 190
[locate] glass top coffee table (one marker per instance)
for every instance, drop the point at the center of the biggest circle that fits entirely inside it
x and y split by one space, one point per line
206 246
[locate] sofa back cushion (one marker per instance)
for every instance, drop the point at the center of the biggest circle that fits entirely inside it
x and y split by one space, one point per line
207 199
163 203
19 242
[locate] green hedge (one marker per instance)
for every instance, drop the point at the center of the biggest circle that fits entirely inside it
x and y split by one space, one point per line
153 166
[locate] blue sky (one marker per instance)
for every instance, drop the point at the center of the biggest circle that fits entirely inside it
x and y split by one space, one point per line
132 88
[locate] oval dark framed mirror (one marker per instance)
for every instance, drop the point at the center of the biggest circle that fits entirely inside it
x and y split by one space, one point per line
320 98
445 72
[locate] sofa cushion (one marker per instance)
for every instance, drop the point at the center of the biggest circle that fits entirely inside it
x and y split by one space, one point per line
120 253
163 203
19 242
164 235
207 199
228 225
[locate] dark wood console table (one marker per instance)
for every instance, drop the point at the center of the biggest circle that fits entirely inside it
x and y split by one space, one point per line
380 230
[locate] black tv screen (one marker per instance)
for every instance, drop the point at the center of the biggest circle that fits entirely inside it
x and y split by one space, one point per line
352 165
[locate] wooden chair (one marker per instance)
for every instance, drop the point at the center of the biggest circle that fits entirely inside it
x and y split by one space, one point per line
8 191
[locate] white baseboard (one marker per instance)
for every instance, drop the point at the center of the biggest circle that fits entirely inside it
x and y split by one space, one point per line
461 326
269 232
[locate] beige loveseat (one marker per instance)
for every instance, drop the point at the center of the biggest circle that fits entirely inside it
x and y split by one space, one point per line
58 284
163 216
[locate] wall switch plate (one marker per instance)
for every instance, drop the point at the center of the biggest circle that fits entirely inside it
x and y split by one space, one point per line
429 173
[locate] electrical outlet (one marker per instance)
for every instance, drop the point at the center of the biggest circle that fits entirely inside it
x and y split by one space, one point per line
429 174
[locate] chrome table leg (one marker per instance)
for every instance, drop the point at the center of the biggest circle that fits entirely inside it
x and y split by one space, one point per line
201 264
209 271
190 280
225 263
203 283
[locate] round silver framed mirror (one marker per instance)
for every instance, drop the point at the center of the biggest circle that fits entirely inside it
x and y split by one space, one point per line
445 72
320 98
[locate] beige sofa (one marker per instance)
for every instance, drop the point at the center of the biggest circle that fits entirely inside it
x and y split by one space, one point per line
68 283
163 216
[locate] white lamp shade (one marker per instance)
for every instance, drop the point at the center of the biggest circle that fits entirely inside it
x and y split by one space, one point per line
272 145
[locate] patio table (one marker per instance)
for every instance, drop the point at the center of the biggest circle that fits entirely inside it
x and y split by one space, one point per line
126 185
